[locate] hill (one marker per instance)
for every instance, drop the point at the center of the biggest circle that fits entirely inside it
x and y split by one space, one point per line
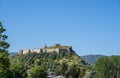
12 54
89 58
92 58
68 57
60 63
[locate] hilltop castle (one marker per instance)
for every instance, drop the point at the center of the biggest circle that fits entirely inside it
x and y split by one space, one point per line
55 48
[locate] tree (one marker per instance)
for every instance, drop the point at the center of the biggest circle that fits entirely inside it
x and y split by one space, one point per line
115 69
18 70
108 67
38 72
61 69
74 71
4 59
102 66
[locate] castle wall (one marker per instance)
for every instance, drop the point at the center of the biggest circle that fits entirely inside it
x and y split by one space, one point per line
20 52
69 49
63 50
50 50
35 50
26 51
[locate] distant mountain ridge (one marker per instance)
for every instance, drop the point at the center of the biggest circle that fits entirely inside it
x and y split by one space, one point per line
13 53
92 58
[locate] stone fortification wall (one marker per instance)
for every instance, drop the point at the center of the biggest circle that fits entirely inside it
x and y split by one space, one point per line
56 48
51 50
35 50
24 51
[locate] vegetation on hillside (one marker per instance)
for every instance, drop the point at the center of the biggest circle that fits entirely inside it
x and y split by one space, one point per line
63 63
108 67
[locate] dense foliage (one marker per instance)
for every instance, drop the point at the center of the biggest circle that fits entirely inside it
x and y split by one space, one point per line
63 63
4 60
38 72
18 70
7 69
108 67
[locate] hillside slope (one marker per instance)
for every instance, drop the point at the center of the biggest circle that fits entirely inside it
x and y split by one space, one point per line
68 57
92 58
60 63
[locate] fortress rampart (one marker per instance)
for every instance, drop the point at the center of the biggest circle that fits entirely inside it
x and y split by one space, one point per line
56 48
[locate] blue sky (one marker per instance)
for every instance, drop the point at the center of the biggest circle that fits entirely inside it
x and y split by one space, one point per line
90 26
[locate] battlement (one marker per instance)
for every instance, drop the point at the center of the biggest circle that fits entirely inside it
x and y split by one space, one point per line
55 48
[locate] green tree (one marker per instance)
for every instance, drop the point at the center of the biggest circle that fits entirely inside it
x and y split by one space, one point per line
38 72
74 71
4 59
115 67
61 69
58 70
18 70
108 67
102 66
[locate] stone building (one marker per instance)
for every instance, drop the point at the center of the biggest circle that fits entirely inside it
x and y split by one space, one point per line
55 48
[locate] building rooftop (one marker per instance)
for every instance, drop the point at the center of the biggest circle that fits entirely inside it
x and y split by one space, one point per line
62 47
58 46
